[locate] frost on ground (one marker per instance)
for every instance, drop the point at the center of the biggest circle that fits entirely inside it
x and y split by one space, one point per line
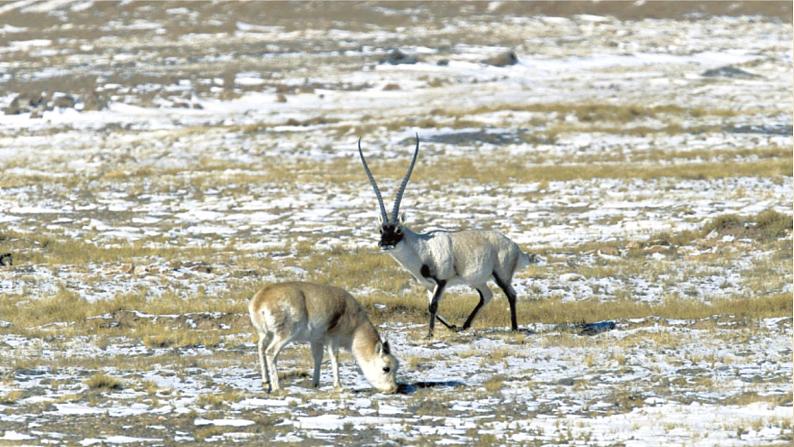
160 163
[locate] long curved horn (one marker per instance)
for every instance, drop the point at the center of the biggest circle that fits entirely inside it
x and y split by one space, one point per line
373 183
399 197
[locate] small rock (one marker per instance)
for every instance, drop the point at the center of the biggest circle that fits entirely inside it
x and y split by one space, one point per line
26 103
597 328
64 102
442 62
502 59
609 251
397 57
92 101
390 87
281 98
6 259
729 72
571 277
536 259
654 249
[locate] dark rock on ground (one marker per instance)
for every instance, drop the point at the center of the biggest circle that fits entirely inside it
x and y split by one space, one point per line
26 103
502 59
92 101
397 57
729 71
36 103
63 102
764 129
470 137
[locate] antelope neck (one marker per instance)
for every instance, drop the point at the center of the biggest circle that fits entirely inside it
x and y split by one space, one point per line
365 337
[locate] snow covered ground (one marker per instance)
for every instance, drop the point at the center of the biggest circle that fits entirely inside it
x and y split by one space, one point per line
196 152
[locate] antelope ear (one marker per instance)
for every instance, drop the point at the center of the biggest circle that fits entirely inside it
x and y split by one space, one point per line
379 348
402 218
386 348
380 221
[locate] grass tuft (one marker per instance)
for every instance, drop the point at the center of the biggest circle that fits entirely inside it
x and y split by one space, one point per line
766 225
103 382
11 397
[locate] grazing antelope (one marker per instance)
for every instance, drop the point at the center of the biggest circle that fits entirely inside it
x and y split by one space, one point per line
440 259
326 317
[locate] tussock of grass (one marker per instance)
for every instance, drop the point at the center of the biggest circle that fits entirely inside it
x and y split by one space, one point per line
165 337
596 112
351 269
765 226
494 384
68 306
29 248
526 170
753 397
103 382
64 306
217 400
11 397
521 169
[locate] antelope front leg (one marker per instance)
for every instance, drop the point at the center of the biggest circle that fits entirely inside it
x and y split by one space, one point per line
333 352
433 308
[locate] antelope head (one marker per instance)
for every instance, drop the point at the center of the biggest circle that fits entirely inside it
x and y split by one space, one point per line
391 231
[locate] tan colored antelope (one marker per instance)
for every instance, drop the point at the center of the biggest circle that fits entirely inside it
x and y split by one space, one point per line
326 317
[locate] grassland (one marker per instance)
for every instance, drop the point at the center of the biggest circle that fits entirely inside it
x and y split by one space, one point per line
659 194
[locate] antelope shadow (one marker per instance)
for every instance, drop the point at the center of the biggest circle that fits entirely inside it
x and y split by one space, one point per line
410 388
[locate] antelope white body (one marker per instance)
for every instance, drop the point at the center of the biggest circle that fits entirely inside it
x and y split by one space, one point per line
440 259
463 257
327 318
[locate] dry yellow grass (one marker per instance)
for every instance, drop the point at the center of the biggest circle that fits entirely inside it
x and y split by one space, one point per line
103 382
11 397
554 310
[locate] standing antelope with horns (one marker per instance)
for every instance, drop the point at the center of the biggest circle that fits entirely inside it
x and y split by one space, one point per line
440 259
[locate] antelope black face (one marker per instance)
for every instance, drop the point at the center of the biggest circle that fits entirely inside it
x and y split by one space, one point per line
390 235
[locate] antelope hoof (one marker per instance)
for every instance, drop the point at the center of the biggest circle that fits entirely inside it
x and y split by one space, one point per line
429 336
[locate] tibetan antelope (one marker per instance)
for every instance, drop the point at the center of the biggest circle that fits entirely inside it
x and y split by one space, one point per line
440 259
326 317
